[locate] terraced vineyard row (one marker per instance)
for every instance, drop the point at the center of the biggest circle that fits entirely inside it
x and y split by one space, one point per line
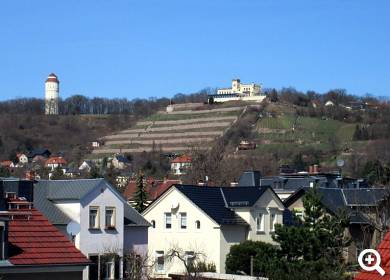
176 131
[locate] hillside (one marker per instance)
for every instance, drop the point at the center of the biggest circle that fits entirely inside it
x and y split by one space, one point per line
175 131
69 134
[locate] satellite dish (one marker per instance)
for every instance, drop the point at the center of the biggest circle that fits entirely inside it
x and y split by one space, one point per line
340 162
175 204
73 228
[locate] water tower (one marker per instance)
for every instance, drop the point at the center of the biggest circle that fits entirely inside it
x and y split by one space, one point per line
52 92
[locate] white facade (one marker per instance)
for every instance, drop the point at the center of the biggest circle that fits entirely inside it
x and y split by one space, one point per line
202 233
179 168
241 89
23 159
52 92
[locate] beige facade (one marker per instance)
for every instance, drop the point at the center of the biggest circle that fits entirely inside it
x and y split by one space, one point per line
202 233
241 89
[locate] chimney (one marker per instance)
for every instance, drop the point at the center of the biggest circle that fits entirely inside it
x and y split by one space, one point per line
315 168
311 169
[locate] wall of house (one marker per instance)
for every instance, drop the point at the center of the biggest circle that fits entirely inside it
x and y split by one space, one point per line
45 276
136 239
230 235
102 240
72 209
205 240
268 203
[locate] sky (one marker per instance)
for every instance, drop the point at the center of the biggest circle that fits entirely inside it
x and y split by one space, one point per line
154 48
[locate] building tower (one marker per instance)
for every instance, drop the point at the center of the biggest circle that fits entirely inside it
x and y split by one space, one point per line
52 91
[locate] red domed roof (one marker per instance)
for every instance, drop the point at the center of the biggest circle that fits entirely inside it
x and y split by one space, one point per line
52 78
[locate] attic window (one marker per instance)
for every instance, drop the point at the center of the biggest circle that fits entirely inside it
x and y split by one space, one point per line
197 224
153 222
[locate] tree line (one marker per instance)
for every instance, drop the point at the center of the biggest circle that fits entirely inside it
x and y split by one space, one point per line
79 104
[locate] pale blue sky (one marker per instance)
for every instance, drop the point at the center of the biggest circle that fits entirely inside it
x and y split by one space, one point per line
126 48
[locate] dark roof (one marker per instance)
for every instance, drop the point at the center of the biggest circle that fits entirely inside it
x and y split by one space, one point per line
211 201
250 178
337 199
364 197
47 191
38 152
123 159
217 202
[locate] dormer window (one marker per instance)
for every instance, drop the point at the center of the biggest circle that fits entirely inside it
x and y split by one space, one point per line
10 195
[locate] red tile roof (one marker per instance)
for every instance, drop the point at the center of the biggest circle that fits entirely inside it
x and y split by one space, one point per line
6 163
37 242
154 188
56 160
182 159
52 78
384 251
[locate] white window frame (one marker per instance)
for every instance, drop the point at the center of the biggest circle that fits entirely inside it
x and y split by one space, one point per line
183 218
166 215
110 271
112 225
160 254
273 219
260 222
97 217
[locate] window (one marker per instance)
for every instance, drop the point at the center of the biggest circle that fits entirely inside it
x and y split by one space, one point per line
183 220
273 220
94 217
94 267
197 224
189 258
110 270
168 220
153 222
159 261
260 222
110 217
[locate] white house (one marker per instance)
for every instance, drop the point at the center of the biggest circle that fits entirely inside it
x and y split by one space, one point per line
104 221
238 92
22 158
180 164
209 220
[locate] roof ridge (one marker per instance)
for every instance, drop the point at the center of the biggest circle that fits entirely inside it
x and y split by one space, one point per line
223 196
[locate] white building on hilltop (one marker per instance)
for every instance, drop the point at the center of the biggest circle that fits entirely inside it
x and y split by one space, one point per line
52 92
238 91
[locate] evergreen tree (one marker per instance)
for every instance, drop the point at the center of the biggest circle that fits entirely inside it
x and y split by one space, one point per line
141 195
311 249
57 174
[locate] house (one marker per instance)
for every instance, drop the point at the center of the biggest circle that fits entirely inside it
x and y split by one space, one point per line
209 220
108 225
31 247
364 207
288 183
7 164
97 143
329 103
180 164
384 251
22 158
87 165
55 162
238 92
38 154
154 188
120 162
